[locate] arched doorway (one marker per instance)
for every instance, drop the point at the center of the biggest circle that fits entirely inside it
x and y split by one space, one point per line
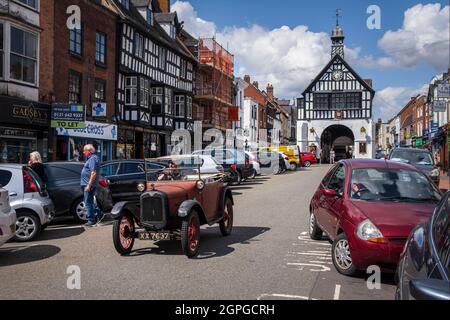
338 138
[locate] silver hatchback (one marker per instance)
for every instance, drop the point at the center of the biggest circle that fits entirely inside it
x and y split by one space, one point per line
29 197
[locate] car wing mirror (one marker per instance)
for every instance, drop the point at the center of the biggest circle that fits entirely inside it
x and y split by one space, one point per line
429 289
330 193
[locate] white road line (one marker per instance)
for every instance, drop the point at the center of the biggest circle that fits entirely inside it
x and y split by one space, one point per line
313 254
325 262
337 292
278 295
322 267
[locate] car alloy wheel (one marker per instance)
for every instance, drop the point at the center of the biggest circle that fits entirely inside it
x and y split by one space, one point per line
307 164
253 175
293 166
342 254
27 227
80 211
315 232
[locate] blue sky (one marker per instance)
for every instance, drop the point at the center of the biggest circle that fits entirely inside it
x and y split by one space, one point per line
405 71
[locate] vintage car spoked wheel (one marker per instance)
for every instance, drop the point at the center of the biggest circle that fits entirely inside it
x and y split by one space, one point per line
341 256
123 234
190 235
226 224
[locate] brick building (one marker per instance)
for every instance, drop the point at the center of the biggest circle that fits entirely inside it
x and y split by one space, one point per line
79 66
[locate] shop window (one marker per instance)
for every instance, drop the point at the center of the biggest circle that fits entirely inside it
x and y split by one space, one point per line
362 147
74 87
100 90
23 55
131 90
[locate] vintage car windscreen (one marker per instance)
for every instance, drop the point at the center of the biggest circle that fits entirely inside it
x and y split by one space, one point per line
182 168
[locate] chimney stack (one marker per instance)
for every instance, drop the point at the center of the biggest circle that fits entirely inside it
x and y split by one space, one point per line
247 78
270 90
163 6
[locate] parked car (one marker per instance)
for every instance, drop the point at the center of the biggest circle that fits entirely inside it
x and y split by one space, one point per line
63 186
368 208
424 269
308 159
419 158
29 198
8 217
234 161
379 154
272 161
174 208
208 164
292 152
256 165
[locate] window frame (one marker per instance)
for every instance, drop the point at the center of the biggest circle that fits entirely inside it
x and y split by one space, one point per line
97 51
129 89
73 73
23 56
103 82
81 38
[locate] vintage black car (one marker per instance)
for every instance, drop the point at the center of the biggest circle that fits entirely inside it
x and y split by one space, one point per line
173 207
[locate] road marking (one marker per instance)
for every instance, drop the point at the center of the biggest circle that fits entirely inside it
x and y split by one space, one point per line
17 249
313 254
322 267
325 262
304 233
278 295
337 292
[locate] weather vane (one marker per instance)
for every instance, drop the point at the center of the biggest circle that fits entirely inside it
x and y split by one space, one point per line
338 14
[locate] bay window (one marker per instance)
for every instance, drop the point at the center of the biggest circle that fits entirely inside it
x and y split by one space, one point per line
23 57
144 93
179 106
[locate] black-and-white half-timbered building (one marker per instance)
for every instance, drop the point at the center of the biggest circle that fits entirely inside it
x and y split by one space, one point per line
335 112
155 79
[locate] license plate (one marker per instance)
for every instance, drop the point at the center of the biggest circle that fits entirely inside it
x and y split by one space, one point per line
13 228
154 236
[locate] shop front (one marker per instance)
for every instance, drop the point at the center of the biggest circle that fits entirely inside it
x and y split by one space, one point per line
70 142
137 143
24 128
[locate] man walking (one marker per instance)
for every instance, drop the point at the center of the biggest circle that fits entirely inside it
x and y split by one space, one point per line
332 156
89 184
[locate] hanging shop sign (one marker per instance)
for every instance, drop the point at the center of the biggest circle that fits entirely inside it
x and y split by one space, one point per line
99 109
439 106
93 130
69 116
419 142
443 90
233 113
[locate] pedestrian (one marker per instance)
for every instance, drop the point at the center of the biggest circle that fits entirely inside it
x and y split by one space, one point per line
89 184
332 155
35 163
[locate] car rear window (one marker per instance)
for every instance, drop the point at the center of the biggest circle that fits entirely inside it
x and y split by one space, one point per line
5 177
412 157
59 172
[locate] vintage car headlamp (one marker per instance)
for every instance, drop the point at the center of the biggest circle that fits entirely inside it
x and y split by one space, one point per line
369 232
200 184
141 187
435 173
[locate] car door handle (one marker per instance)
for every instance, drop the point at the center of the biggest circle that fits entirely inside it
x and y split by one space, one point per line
13 194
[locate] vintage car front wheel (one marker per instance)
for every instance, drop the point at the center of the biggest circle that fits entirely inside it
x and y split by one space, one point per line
226 224
190 235
123 234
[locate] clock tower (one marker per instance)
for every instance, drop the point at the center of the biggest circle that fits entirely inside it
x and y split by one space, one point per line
337 38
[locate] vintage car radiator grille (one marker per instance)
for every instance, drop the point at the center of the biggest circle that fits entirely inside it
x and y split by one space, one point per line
152 210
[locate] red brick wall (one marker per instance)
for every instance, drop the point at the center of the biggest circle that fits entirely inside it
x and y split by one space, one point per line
252 92
55 47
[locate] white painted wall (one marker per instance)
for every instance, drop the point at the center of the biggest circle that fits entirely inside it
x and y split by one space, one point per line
249 123
306 138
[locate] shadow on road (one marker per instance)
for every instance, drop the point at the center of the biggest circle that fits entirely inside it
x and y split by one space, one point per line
242 187
25 254
212 243
55 233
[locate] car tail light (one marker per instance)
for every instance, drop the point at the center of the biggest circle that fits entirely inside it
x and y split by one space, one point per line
234 167
286 158
29 186
103 183
247 162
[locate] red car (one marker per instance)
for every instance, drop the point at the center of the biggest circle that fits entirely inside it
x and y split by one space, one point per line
308 159
368 208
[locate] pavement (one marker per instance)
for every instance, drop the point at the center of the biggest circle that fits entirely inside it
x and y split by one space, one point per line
268 256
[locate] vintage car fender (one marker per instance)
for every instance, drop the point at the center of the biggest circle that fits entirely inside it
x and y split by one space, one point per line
186 207
121 207
225 193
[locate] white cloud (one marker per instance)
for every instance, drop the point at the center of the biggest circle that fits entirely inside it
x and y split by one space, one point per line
424 37
289 58
389 101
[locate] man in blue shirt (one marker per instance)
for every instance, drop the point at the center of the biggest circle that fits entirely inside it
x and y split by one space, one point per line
89 184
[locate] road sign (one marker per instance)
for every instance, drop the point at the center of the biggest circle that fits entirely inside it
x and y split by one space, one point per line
439 106
443 90
69 116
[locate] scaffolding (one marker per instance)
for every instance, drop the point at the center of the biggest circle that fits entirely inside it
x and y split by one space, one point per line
214 84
